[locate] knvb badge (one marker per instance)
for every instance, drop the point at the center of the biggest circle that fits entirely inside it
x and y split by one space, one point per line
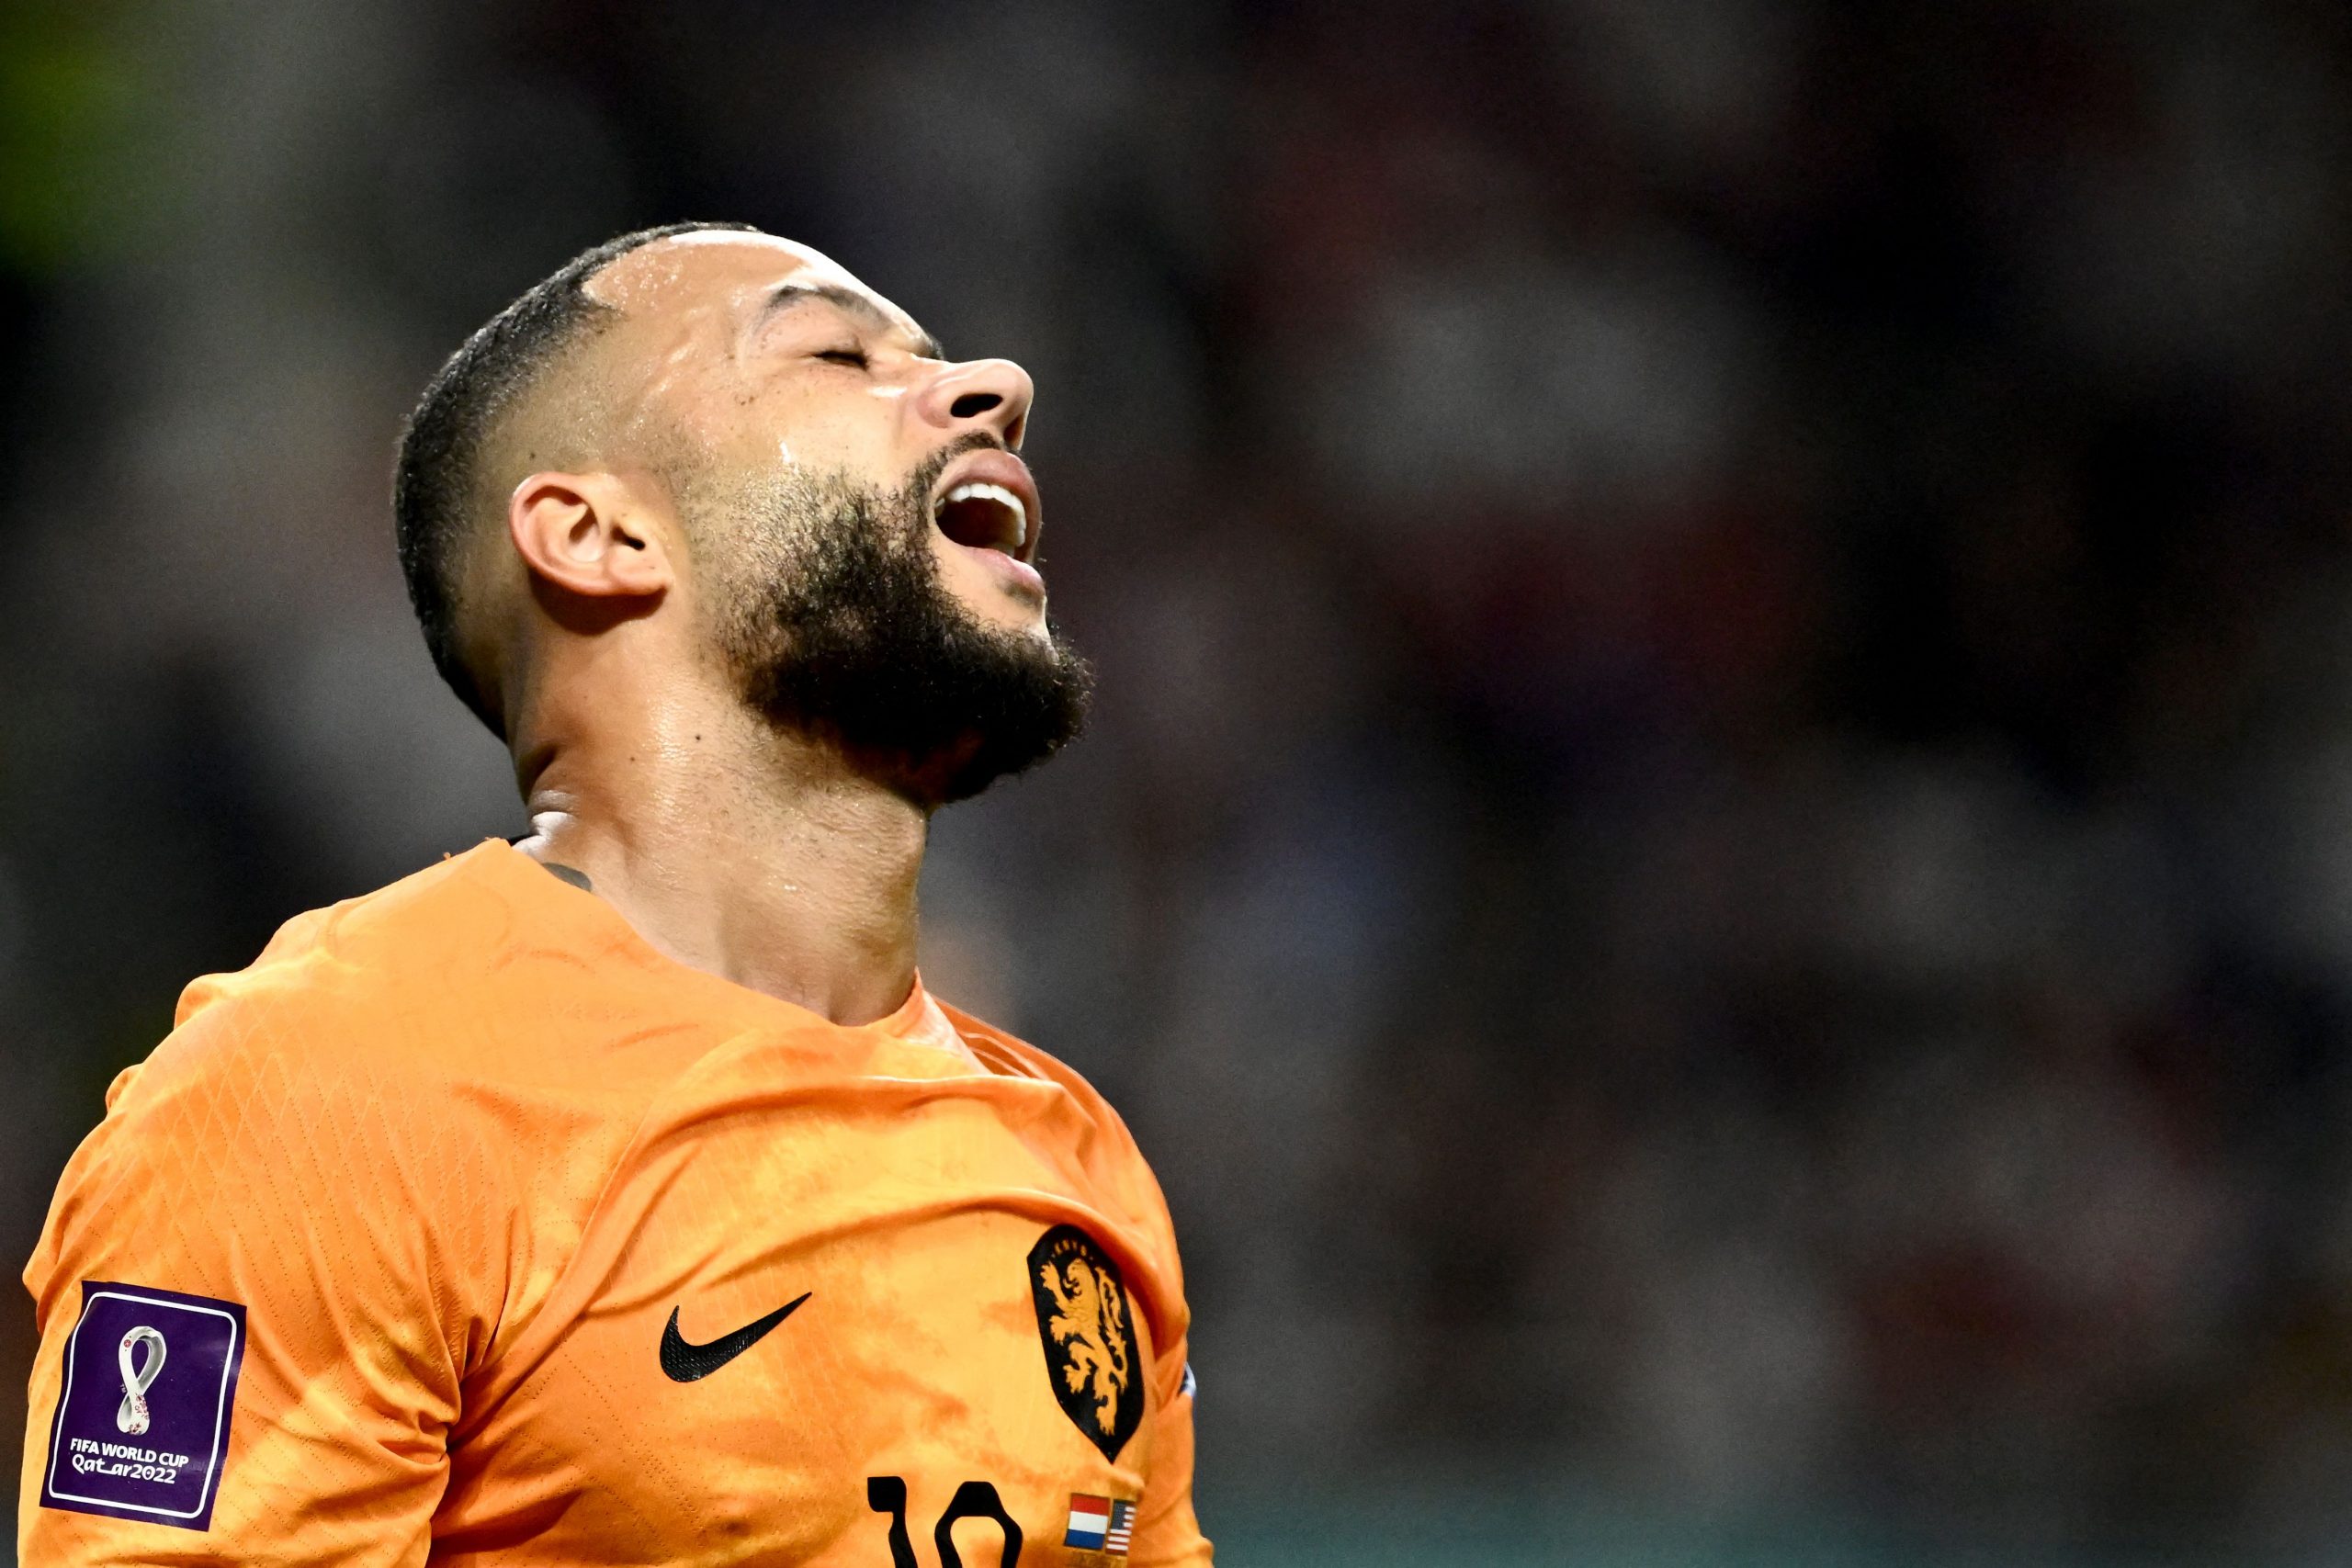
142 1415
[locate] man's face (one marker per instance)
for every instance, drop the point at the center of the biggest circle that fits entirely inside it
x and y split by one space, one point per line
862 537
771 359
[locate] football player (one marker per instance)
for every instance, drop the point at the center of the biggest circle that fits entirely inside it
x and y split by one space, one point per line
620 1195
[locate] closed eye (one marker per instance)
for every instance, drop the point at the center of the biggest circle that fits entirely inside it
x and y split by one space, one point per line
844 356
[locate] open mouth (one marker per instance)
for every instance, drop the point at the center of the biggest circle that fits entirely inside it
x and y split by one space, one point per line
985 516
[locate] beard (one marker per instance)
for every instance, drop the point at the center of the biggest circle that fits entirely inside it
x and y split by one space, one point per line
839 629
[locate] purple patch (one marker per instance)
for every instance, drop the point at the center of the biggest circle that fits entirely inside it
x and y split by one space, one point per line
143 1423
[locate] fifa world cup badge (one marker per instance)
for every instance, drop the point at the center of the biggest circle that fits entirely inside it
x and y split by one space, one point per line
146 1393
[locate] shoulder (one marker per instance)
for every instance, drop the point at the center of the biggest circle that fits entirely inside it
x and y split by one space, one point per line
454 1006
340 1007
402 944
456 974
425 1039
1120 1179
1112 1156
1011 1056
447 1065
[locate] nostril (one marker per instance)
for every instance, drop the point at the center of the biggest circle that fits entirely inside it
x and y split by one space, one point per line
972 403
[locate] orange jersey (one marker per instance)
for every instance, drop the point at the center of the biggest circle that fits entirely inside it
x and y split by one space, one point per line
464 1227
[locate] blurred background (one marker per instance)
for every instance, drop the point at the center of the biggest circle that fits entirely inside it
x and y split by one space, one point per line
1716 861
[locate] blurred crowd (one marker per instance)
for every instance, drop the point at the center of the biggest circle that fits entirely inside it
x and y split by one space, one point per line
1717 856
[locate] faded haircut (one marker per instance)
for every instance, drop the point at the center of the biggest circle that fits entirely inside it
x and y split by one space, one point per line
438 481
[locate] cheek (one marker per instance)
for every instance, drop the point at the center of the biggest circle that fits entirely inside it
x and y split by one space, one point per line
816 435
857 433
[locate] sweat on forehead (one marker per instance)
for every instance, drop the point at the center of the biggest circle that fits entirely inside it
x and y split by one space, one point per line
687 310
711 267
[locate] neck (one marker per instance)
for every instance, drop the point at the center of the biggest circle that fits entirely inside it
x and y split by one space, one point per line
758 857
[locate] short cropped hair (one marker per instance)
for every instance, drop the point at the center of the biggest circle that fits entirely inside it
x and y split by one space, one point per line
437 480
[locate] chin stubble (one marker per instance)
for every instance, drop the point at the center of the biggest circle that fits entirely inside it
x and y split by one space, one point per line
843 629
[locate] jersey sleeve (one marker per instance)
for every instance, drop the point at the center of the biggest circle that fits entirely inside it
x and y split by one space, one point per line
256 1303
1166 1533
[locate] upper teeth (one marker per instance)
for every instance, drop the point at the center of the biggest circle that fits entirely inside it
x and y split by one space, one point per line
1002 497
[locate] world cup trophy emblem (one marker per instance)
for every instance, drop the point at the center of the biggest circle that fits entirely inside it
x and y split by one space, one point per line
138 1376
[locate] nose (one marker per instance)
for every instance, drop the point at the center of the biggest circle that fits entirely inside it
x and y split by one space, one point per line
979 394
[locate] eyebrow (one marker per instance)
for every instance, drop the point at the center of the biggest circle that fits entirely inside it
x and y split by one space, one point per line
788 295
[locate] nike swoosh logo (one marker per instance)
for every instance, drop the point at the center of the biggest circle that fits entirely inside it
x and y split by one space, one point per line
684 1362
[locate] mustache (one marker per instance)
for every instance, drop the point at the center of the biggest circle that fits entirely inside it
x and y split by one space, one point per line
926 475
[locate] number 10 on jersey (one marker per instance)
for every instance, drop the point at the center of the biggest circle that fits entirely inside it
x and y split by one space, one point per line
973 1500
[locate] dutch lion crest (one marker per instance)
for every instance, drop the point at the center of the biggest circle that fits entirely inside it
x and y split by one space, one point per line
1087 1325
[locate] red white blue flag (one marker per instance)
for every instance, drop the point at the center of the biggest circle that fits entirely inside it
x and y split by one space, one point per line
1101 1524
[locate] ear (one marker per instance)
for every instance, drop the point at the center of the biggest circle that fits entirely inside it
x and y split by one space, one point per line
589 534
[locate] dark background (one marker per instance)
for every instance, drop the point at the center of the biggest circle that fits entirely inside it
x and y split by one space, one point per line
1717 859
